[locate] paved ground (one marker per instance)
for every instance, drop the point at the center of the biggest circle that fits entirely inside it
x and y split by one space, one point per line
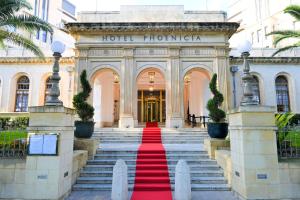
95 195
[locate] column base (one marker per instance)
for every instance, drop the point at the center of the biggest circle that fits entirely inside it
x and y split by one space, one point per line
126 122
174 122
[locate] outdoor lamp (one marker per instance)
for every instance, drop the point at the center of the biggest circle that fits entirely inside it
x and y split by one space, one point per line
244 48
58 48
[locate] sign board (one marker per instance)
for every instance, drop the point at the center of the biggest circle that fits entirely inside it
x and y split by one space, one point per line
43 144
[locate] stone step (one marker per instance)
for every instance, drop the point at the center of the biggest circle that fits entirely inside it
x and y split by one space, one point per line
100 151
131 173
164 141
131 157
195 187
132 162
132 167
108 180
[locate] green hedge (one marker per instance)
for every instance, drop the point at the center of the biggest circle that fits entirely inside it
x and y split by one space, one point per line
14 123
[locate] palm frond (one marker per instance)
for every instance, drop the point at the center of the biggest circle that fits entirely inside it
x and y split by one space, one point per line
290 47
293 10
285 32
27 22
9 7
21 41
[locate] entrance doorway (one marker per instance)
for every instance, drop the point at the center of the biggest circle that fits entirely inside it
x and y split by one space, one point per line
151 106
151 96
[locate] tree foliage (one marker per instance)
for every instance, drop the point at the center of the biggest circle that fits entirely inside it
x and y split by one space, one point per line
293 10
213 105
84 110
11 20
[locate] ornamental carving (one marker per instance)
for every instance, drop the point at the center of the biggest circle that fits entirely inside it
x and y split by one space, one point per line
105 52
197 52
150 51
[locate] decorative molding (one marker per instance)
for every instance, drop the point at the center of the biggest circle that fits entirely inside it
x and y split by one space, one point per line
266 60
106 52
197 52
35 60
150 51
225 27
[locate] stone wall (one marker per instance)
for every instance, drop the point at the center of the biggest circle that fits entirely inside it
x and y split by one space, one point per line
16 176
289 174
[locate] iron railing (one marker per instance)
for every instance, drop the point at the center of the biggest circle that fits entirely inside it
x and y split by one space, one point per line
288 142
13 144
197 121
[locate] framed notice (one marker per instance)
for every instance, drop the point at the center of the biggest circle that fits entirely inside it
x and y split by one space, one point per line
43 144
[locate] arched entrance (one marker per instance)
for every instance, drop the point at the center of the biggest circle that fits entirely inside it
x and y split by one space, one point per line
196 92
106 97
151 96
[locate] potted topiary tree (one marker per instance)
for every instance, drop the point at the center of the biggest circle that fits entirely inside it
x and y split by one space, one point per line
218 128
85 127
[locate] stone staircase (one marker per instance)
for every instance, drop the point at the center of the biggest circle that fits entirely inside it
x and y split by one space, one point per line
206 175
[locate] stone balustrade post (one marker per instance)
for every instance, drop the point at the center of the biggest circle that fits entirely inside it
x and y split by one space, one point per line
120 181
183 189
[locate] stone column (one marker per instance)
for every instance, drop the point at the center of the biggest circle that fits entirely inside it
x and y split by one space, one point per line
126 105
49 177
254 152
174 91
224 77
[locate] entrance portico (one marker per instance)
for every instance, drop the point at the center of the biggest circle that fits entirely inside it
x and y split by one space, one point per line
166 52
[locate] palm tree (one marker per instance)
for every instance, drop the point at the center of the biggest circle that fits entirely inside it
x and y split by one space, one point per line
293 10
10 18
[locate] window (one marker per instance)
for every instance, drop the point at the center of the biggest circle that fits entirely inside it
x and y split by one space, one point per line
252 38
68 7
258 35
282 94
266 32
48 86
22 93
255 89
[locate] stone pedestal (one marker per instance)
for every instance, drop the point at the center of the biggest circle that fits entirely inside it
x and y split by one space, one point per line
174 122
90 145
126 121
254 153
213 144
49 177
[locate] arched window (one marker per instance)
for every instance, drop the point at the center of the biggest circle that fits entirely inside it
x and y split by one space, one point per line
255 88
282 94
22 93
48 86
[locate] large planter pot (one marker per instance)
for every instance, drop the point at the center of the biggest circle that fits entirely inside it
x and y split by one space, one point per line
217 130
84 129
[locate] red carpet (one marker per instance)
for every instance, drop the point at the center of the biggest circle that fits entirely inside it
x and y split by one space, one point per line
152 180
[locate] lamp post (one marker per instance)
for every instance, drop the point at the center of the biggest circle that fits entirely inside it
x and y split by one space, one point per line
58 48
247 78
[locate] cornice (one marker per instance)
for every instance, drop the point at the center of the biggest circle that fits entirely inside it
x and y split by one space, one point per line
35 60
266 60
227 27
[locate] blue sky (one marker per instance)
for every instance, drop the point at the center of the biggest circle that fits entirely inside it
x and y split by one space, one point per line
109 5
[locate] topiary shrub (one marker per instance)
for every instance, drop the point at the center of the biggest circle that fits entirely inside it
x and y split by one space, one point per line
84 110
213 105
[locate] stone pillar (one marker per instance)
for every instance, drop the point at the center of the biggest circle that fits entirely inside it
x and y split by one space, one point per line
174 91
126 105
49 177
254 153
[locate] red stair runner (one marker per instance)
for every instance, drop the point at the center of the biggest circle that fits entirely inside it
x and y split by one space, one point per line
152 180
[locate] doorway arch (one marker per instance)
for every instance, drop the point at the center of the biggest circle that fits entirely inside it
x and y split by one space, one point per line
106 97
